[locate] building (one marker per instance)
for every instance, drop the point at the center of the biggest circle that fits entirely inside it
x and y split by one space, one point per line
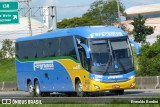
148 11
13 31
151 12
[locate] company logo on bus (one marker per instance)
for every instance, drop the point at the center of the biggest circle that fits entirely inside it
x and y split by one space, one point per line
103 34
45 65
115 77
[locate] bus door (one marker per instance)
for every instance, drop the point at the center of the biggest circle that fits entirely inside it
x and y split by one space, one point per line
83 58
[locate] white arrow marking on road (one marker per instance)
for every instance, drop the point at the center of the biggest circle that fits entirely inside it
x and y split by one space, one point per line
14 17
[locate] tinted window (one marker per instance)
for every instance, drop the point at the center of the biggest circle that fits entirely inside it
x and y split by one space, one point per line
43 48
53 47
67 47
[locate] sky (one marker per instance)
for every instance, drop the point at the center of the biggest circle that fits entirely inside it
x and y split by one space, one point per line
75 8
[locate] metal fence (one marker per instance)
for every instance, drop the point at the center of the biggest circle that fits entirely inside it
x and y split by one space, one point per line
151 82
8 86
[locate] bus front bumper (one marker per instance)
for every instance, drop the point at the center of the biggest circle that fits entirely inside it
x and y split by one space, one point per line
96 86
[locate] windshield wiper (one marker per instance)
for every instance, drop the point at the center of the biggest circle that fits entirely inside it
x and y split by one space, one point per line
121 65
107 66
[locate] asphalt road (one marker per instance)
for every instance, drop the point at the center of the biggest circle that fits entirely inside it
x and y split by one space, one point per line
96 98
128 93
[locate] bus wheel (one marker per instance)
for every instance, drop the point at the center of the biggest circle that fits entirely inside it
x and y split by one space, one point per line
70 94
30 89
37 89
45 94
79 90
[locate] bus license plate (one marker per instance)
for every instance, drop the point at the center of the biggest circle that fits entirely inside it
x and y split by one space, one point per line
115 86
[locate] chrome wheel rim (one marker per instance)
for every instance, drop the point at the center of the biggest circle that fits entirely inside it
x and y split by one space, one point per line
37 89
30 88
80 87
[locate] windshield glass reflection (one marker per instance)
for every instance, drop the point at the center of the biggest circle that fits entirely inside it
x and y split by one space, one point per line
110 56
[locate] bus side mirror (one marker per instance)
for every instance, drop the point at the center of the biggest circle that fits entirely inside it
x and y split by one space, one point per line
136 46
86 50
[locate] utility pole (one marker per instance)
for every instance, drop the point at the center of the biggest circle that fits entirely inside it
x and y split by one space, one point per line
119 17
100 7
50 12
29 18
53 15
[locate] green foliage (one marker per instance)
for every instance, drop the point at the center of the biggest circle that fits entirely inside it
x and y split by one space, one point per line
7 49
76 21
140 31
7 70
100 13
105 12
149 59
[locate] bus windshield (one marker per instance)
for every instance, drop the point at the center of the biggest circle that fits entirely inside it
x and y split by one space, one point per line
110 56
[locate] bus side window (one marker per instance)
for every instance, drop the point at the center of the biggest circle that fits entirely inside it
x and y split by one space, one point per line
25 50
67 47
17 50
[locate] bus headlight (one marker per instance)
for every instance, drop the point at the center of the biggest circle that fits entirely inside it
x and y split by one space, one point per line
131 77
96 79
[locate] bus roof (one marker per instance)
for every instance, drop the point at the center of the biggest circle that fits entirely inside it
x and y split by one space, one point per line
85 31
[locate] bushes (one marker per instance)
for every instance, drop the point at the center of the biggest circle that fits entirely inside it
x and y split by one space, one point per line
8 49
149 60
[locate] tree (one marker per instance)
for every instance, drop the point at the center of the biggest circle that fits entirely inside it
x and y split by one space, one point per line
140 31
149 59
1 55
100 13
8 50
76 21
105 12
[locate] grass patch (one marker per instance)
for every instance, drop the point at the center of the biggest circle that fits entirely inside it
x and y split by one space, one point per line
7 70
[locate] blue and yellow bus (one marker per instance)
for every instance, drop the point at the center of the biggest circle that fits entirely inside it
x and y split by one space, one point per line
81 59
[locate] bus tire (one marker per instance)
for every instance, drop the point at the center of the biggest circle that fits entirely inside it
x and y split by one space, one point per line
30 89
70 94
79 90
45 94
37 89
